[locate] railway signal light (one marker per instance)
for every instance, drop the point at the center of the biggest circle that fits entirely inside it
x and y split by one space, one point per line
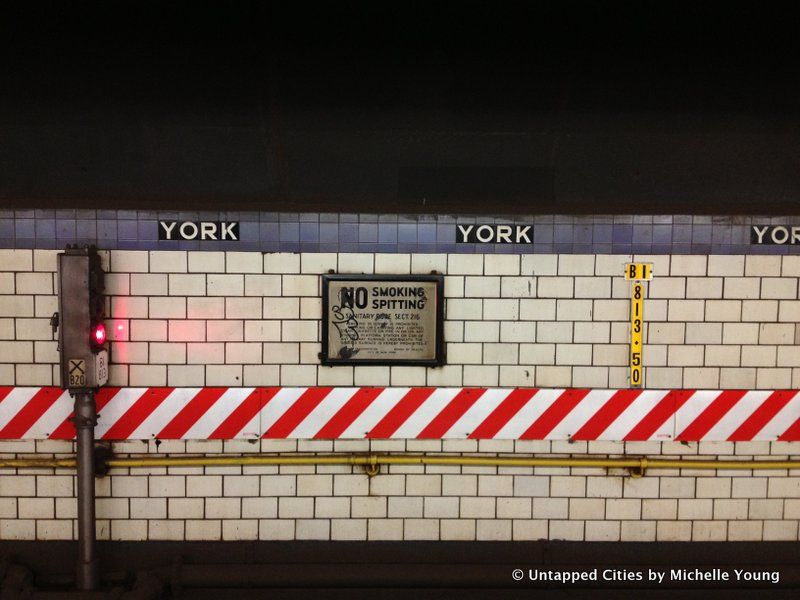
97 302
99 335
81 307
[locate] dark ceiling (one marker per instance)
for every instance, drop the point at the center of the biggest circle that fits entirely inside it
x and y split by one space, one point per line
499 107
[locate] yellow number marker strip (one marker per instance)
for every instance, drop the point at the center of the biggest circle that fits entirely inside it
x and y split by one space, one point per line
636 273
637 318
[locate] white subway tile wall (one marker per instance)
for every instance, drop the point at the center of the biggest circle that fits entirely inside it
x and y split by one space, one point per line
451 502
726 321
241 318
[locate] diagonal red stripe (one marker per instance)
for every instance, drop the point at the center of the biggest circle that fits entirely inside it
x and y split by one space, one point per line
30 413
503 413
243 414
297 412
568 400
608 413
66 431
348 413
137 413
451 413
762 415
710 416
792 434
398 415
5 391
666 407
189 414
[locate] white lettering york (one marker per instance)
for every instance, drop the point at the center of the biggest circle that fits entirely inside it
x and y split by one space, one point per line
168 227
795 235
465 231
227 231
208 231
486 229
504 233
761 233
188 226
784 235
522 234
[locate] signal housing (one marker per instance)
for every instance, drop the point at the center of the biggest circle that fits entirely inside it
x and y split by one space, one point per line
81 307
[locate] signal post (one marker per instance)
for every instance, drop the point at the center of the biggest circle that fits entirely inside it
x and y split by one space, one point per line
84 368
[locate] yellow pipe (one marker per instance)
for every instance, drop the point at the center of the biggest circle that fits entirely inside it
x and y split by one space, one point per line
372 461
37 463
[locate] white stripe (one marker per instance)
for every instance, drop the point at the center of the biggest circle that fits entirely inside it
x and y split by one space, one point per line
528 414
425 413
372 415
668 429
116 407
17 398
164 413
323 412
785 418
692 408
217 413
737 415
633 415
276 407
253 426
578 416
252 429
52 417
477 413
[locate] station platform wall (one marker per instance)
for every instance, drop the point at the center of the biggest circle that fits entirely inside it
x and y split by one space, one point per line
231 318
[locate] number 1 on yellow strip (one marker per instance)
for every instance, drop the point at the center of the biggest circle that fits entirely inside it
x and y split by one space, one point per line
637 319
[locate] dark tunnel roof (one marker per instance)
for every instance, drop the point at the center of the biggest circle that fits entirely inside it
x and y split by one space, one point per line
511 107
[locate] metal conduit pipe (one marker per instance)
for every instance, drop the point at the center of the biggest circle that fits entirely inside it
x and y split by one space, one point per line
372 462
85 421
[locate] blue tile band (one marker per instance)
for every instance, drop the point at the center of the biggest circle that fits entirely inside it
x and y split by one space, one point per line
346 232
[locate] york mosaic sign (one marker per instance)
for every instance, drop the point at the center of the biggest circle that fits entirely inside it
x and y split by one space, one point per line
775 234
494 234
382 319
199 230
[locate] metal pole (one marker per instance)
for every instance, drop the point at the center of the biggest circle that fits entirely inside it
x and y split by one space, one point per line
85 420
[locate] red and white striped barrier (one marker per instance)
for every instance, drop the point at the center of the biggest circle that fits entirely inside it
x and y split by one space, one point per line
409 413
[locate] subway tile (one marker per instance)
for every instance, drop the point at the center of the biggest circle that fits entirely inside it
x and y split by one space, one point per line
367 233
387 233
445 234
25 228
622 234
308 232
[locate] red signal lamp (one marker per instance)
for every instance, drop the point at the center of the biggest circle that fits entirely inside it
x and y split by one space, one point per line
99 334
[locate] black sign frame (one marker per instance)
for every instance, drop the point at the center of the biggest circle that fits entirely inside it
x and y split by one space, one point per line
439 344
501 233
764 235
201 230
